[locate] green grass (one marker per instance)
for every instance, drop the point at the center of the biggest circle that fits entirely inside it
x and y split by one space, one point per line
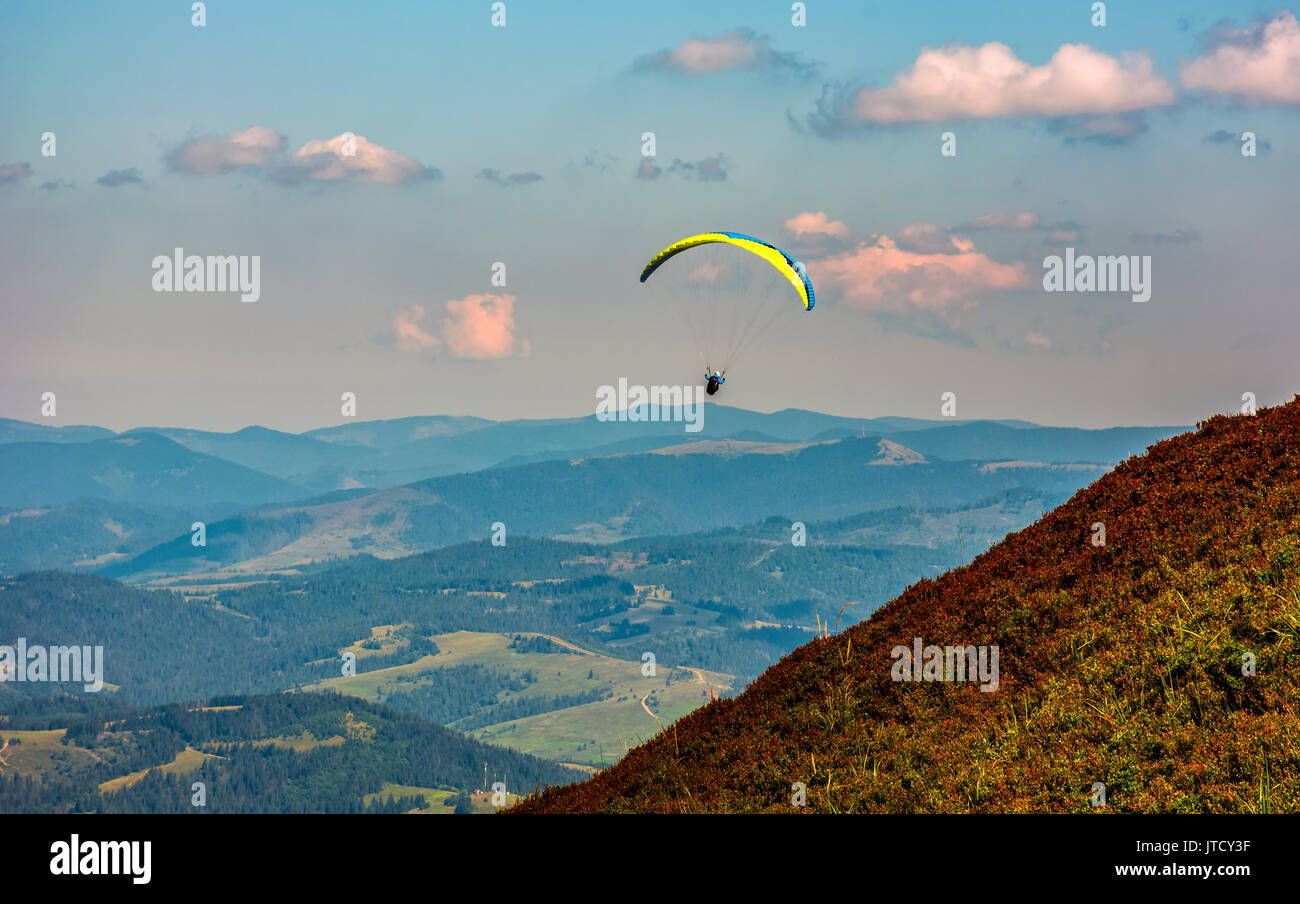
592 733
185 762
42 753
433 798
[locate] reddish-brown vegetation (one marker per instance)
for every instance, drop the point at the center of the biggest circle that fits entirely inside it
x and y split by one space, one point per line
1120 664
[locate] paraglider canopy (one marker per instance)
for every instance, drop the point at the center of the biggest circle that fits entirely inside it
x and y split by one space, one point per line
726 298
770 253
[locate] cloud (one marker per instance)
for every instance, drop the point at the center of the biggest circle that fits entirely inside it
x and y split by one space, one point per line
114 178
1011 221
647 169
928 238
1061 236
253 148
739 48
1038 339
815 224
926 325
55 186
1177 237
600 161
482 326
923 269
495 177
411 337
351 159
345 157
476 326
1057 232
1106 129
710 169
710 273
1259 63
986 82
12 172
1223 136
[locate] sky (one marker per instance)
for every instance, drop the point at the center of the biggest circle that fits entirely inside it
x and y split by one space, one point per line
522 144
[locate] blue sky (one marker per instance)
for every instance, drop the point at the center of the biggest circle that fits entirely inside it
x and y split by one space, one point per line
928 267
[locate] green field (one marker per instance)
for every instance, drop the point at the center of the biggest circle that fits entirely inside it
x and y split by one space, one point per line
434 798
40 753
188 760
439 802
594 733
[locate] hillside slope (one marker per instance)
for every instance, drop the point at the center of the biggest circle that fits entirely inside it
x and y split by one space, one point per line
1120 664
139 470
276 753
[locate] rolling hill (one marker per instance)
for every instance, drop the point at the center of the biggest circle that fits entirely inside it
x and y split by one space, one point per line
83 533
86 497
145 469
12 431
380 454
1163 664
697 486
279 753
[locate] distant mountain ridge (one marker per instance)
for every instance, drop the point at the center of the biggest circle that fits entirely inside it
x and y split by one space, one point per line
389 453
139 469
193 475
681 489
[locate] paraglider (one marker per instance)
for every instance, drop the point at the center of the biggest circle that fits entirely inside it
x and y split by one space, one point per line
728 299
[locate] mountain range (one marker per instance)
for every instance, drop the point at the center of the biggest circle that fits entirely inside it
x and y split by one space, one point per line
271 499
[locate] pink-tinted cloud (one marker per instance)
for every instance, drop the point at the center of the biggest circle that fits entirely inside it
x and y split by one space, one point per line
12 172
881 275
928 238
1259 63
204 155
706 274
739 48
1038 340
355 159
815 224
963 82
482 326
410 335
1012 221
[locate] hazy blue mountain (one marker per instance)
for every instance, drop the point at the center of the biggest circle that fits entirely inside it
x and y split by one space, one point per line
523 441
340 469
144 469
83 533
989 441
12 431
703 485
291 456
398 431
898 424
392 453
